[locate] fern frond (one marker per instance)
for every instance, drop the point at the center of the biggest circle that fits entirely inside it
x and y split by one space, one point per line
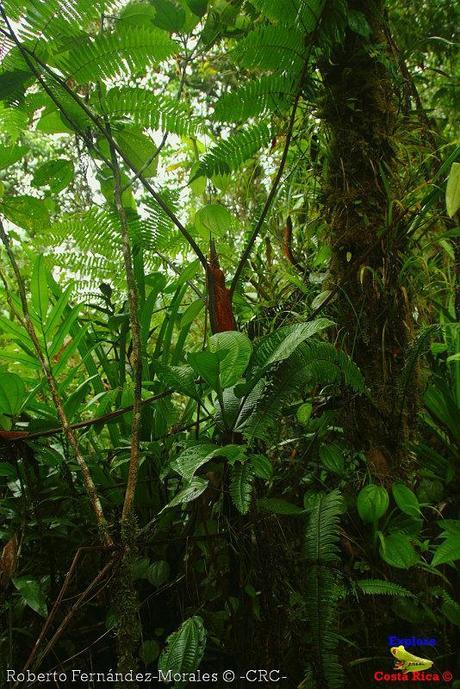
12 122
277 48
228 155
127 51
303 14
311 363
51 20
255 98
322 535
380 587
323 590
147 110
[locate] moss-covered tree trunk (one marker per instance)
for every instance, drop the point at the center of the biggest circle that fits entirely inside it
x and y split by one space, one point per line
372 309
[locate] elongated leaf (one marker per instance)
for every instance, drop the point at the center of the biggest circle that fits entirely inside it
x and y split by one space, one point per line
241 486
453 190
39 288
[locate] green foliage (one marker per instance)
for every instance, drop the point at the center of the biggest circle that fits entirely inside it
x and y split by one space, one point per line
380 587
372 503
184 649
147 109
127 50
256 97
240 488
247 434
230 154
322 552
32 593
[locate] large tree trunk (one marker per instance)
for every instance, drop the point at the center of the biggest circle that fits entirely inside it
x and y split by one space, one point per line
372 308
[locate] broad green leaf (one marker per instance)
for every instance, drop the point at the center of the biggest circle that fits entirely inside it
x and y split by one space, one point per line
281 344
332 458
137 13
238 350
358 23
448 551
11 154
453 190
192 458
57 174
184 649
372 503
406 500
398 551
179 378
26 212
262 466
53 123
39 288
12 393
304 413
192 491
207 365
213 220
198 7
197 184
31 591
169 15
139 149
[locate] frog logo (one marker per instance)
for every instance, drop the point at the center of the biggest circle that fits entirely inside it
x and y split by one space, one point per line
408 662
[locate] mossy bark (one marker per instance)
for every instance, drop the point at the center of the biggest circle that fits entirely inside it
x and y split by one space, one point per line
372 308
125 604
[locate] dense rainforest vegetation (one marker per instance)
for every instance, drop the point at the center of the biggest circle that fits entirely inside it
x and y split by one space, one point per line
229 341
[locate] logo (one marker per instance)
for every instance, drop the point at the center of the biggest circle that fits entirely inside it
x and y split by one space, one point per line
407 662
410 642
411 668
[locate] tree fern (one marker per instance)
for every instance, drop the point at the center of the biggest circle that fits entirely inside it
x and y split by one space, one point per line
54 19
277 48
146 109
92 240
128 50
321 549
12 122
302 13
255 97
231 153
311 363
